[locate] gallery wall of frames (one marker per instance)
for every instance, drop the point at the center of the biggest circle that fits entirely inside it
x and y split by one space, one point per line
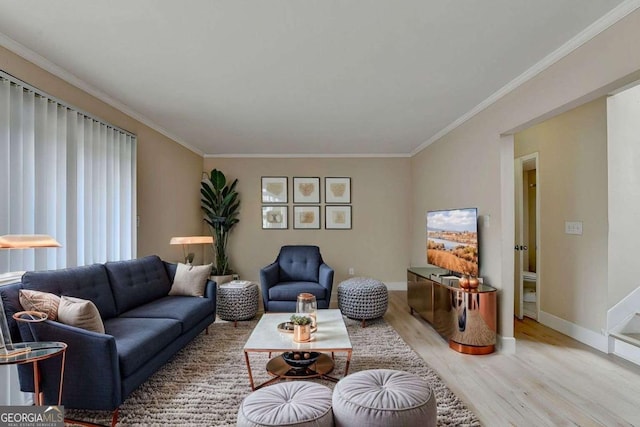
313 202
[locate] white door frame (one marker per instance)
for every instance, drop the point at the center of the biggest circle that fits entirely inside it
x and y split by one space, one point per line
518 277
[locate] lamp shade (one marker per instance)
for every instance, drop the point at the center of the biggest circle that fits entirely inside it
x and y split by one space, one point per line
25 241
191 240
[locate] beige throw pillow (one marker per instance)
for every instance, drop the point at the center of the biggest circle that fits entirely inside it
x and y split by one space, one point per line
190 280
81 313
43 302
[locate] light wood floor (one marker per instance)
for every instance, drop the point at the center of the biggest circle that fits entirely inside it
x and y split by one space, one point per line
552 380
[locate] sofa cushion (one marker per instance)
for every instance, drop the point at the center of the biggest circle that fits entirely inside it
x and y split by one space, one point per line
87 282
299 263
190 280
138 281
289 291
189 311
138 340
44 302
80 313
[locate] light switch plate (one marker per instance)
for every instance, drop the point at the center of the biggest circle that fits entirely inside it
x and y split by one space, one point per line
573 227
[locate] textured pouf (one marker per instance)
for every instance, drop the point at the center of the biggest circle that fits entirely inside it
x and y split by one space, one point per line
237 303
294 403
383 397
363 298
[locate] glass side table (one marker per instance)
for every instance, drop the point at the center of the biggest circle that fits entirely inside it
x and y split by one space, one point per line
36 351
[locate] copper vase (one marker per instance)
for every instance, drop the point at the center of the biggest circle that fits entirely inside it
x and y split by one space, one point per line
301 333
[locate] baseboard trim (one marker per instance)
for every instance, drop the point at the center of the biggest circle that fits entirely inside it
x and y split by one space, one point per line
396 286
627 351
586 336
623 311
506 345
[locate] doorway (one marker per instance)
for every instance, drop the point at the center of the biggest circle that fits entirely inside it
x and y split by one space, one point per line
527 233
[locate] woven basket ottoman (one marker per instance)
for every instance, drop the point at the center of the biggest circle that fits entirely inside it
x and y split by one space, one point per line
363 298
235 304
292 403
383 397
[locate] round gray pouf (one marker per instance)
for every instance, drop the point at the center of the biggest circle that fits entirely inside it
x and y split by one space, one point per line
383 397
363 298
294 403
237 303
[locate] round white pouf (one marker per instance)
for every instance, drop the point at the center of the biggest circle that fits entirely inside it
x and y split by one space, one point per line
292 403
237 303
363 298
383 397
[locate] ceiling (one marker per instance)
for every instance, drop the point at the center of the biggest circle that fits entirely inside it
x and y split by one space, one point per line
298 77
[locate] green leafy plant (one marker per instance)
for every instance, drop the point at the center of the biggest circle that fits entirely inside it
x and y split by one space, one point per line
300 320
221 206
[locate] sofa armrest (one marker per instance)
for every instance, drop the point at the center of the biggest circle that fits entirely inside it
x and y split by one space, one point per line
326 279
211 292
269 276
92 379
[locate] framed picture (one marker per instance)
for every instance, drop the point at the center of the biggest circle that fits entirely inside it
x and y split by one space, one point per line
306 190
274 218
337 217
337 190
274 189
306 217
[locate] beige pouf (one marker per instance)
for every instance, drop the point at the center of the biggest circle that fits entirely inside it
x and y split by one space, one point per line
384 398
293 403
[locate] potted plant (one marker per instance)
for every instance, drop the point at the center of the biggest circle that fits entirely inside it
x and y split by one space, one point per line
301 328
221 206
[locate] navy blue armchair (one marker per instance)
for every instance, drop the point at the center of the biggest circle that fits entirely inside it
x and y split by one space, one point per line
297 269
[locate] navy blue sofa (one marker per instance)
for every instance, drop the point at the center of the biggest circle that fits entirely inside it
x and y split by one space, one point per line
298 269
144 328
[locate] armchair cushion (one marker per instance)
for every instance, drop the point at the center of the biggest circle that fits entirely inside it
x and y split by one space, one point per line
299 263
289 291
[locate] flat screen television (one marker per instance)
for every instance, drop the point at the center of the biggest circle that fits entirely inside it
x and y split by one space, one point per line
452 240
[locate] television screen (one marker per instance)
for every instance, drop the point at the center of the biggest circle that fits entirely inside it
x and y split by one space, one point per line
452 240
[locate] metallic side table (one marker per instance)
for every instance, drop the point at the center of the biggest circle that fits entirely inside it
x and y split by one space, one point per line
34 352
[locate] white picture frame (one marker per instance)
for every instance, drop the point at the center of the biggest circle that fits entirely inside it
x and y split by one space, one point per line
274 189
275 217
337 190
306 189
337 217
306 217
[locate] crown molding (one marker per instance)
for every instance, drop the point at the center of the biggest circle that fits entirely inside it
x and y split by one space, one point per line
73 80
304 156
606 21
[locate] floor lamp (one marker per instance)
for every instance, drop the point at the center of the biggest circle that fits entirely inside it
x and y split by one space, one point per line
190 240
19 241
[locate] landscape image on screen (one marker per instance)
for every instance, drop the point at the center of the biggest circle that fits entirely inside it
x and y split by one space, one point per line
452 240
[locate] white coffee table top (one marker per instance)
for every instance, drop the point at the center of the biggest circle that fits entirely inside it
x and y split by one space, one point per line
331 335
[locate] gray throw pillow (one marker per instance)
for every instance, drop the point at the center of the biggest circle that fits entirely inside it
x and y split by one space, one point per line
80 313
190 280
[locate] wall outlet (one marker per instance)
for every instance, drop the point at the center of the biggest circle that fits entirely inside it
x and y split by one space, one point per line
351 271
573 227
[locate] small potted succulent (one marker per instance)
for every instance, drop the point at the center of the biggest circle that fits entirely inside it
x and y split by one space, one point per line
301 328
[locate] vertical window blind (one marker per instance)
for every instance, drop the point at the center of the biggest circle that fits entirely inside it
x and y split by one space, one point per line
65 174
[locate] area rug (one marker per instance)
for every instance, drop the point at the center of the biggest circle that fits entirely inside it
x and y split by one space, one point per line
204 384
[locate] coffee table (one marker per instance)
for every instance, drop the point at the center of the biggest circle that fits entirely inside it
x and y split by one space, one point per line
331 336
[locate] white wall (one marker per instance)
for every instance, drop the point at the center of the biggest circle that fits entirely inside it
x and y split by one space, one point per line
624 193
469 167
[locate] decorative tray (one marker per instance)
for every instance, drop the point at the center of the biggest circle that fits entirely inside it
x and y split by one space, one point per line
287 327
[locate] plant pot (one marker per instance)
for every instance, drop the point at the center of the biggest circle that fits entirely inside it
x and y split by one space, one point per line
301 333
222 279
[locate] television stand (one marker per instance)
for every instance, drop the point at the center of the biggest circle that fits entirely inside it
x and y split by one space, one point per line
467 318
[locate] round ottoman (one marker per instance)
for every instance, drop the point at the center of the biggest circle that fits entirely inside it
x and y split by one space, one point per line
237 303
363 298
383 397
293 403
